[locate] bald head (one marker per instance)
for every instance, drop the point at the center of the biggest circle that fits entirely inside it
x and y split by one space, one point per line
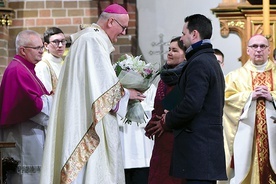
258 49
258 37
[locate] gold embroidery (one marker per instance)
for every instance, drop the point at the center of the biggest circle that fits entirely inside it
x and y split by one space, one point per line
266 173
54 79
80 156
90 140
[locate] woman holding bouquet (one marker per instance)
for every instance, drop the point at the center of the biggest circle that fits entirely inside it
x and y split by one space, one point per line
161 154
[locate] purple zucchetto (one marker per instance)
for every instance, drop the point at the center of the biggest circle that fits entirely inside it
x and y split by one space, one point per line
115 8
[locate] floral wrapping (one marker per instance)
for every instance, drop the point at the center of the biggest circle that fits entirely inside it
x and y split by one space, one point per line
135 73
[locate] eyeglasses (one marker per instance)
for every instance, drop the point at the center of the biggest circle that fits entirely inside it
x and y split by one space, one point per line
38 48
123 27
255 46
57 42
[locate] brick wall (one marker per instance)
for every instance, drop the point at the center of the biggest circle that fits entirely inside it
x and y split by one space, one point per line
4 53
67 15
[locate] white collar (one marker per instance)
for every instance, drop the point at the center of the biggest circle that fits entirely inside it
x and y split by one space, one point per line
49 57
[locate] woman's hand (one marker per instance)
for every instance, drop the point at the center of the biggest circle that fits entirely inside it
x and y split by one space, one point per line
154 128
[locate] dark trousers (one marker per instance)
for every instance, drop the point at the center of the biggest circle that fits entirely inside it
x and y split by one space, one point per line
137 175
200 182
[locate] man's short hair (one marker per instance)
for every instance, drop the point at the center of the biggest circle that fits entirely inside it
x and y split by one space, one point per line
200 23
218 52
50 32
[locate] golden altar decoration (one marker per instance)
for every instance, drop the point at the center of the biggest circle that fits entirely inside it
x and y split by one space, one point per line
247 18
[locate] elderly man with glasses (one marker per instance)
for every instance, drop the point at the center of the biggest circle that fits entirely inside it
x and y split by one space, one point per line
249 117
24 109
83 141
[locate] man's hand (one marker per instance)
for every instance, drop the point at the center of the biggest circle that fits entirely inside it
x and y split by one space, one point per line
136 95
261 91
153 128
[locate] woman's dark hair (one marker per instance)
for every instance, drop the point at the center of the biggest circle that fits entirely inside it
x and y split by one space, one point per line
179 43
50 32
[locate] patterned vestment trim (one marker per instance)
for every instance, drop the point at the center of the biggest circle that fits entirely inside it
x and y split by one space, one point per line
54 79
265 171
90 140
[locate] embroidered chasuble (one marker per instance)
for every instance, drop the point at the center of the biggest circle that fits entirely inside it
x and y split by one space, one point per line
83 141
261 169
249 132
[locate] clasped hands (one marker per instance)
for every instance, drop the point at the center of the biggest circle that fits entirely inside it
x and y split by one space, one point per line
157 126
261 91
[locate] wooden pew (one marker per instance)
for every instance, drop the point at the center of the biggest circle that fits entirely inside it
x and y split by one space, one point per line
4 145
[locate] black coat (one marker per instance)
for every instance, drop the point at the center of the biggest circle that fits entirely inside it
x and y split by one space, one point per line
198 151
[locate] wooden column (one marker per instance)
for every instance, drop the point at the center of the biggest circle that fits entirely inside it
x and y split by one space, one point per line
266 17
246 20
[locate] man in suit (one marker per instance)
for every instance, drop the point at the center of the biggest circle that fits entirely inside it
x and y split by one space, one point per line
198 150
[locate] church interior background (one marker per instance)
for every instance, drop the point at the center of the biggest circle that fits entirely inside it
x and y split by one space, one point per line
152 24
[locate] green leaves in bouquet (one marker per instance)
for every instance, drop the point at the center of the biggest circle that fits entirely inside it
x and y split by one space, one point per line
118 69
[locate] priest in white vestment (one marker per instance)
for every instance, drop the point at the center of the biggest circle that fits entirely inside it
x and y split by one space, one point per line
249 112
83 142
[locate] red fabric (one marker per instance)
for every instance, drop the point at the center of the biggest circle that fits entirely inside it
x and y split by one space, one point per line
232 163
267 175
163 145
20 92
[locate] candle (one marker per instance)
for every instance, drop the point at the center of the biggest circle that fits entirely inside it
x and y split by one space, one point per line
266 18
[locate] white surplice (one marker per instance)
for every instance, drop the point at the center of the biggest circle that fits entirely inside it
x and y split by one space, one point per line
43 71
137 148
29 137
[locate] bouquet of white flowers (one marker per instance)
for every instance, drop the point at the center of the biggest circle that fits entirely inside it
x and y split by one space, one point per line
135 73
